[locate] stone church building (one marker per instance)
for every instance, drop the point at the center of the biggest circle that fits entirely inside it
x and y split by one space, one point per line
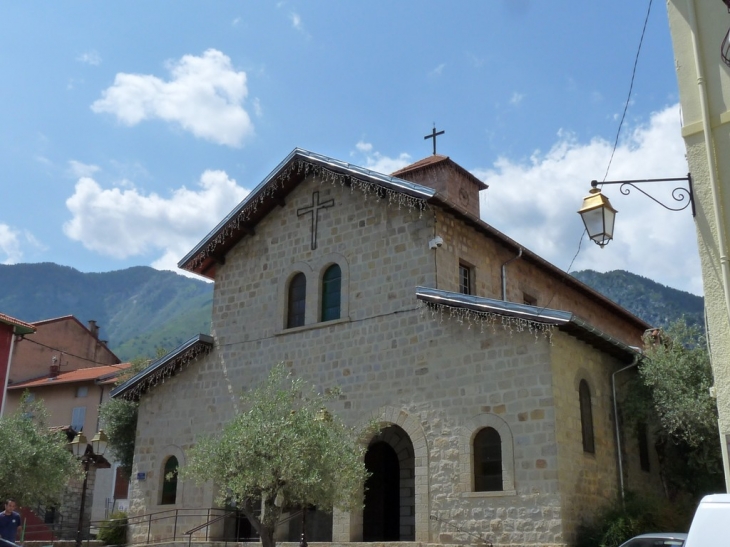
489 369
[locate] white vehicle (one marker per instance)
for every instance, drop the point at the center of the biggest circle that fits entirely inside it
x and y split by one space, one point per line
659 539
711 523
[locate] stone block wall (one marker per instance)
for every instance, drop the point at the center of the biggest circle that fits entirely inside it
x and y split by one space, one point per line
438 379
70 506
590 482
463 243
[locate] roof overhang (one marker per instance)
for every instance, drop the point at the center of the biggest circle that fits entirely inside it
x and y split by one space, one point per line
540 317
300 163
165 367
20 328
272 192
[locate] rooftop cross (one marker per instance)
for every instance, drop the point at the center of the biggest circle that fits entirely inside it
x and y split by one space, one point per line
314 210
433 136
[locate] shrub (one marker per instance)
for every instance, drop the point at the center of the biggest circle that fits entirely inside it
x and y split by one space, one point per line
114 530
619 522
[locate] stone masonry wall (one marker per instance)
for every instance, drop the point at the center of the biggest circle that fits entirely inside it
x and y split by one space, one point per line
589 482
433 376
464 244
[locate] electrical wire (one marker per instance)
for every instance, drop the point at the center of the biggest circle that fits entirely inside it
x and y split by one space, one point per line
618 134
631 87
63 352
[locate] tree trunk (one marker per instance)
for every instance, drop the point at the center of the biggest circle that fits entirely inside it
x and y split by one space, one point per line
264 529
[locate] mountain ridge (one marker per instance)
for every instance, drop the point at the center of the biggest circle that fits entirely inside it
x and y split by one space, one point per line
141 310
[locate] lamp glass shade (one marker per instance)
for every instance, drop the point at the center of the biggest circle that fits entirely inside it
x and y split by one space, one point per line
99 443
79 444
598 216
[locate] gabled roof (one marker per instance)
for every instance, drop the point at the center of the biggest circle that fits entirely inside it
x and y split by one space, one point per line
563 320
101 375
165 367
300 163
19 327
272 192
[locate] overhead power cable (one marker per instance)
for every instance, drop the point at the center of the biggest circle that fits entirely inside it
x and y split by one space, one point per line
64 352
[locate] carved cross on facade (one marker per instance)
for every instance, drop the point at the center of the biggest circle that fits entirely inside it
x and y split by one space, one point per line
433 136
314 210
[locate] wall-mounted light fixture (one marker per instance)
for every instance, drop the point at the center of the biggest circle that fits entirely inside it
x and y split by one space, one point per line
599 216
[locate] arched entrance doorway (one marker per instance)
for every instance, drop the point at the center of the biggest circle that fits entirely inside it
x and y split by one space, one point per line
389 512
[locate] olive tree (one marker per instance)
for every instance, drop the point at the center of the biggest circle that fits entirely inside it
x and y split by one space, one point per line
119 418
672 392
677 371
282 449
36 461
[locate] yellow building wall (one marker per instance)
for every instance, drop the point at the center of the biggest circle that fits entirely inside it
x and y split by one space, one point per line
698 29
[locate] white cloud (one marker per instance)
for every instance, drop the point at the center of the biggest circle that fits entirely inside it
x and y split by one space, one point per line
296 20
436 72
375 161
126 222
90 58
13 243
534 201
257 109
79 169
10 252
516 98
204 96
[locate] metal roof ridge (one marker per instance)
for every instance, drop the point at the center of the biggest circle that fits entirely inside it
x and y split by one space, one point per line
492 305
160 363
395 183
560 318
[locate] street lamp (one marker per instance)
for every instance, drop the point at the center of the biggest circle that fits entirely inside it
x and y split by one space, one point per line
599 216
87 455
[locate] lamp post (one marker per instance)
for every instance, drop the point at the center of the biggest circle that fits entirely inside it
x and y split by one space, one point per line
599 216
87 455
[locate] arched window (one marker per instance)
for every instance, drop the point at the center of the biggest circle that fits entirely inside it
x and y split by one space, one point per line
487 461
297 301
169 482
331 291
586 417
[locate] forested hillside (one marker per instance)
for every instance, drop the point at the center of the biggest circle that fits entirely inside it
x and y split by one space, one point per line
656 304
138 309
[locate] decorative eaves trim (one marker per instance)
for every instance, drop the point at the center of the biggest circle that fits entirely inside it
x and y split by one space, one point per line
475 310
302 163
164 368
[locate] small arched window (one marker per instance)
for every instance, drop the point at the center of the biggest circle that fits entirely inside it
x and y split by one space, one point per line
297 301
331 293
488 461
169 482
586 417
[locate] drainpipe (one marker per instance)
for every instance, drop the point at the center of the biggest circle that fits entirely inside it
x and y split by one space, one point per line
504 274
615 420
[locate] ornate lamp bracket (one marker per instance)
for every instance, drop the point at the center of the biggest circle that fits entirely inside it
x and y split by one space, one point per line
683 196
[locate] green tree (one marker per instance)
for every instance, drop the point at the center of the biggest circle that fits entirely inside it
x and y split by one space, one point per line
677 371
119 418
673 391
282 450
36 461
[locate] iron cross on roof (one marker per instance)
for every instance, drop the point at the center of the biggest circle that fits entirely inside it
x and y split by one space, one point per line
433 136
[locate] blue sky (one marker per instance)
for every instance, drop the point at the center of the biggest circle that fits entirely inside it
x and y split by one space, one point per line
128 130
